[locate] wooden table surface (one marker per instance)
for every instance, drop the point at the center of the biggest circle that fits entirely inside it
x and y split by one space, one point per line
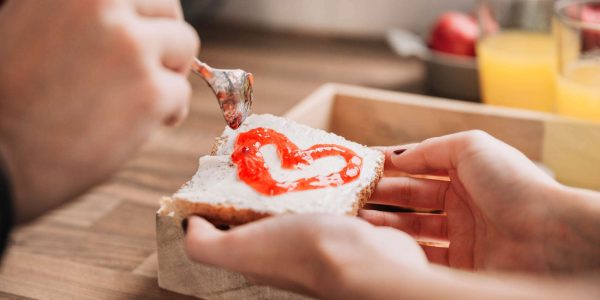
102 245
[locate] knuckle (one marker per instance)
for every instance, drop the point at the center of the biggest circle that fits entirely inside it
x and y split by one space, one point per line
169 100
406 190
443 229
153 85
372 217
441 193
473 141
188 40
430 141
173 119
193 36
178 95
128 39
186 91
377 218
475 136
415 227
152 90
386 220
330 248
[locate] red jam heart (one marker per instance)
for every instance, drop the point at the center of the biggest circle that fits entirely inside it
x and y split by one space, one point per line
253 170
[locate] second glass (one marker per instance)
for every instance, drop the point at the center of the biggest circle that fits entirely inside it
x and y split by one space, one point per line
516 53
578 40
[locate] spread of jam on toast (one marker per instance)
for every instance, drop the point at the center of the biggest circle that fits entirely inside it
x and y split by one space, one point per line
253 170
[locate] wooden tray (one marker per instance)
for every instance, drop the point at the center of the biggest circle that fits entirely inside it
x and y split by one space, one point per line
571 149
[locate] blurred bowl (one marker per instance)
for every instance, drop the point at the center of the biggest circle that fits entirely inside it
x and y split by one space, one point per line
452 76
448 75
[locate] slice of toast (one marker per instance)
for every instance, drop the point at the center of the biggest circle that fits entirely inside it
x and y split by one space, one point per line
217 193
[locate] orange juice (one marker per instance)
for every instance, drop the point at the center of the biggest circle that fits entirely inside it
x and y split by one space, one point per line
517 69
578 90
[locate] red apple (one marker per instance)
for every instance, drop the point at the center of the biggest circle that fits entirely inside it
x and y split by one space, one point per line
455 33
590 13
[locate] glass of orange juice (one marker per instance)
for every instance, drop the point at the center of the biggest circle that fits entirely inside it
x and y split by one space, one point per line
578 38
515 53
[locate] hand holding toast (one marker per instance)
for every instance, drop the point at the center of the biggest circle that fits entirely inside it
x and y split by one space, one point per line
501 211
331 257
99 77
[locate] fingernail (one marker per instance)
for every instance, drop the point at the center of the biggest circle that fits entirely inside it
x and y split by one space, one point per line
399 151
184 225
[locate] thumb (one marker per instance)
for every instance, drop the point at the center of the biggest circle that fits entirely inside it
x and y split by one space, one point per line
430 156
203 242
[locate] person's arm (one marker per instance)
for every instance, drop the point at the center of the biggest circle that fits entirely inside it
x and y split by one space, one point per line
447 283
501 211
345 258
572 241
396 282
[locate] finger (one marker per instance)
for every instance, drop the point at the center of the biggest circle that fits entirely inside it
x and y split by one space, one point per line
159 8
240 248
418 225
411 192
435 154
176 43
477 155
391 169
175 98
436 255
178 116
203 242
231 249
388 151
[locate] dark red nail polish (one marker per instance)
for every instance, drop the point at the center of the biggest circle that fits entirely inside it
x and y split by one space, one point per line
184 225
399 151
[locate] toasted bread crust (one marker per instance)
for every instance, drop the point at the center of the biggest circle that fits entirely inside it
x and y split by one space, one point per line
366 192
218 214
219 141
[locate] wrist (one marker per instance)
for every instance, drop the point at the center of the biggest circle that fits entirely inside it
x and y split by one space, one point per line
571 241
378 278
455 284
